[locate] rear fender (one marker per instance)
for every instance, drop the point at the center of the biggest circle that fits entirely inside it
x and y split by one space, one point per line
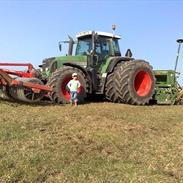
115 61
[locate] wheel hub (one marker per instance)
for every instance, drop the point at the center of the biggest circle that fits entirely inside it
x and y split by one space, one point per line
142 83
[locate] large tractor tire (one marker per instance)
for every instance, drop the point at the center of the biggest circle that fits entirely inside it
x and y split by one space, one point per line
134 82
110 89
59 80
24 94
110 92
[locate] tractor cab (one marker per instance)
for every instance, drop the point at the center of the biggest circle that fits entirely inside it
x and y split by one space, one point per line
99 45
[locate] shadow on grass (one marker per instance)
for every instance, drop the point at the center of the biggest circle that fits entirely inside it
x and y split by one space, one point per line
47 102
17 103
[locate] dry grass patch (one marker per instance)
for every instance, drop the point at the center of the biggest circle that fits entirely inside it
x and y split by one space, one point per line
99 142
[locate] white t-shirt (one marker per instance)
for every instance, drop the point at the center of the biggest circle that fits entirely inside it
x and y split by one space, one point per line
73 85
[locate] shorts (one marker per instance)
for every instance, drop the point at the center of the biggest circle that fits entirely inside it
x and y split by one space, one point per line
73 95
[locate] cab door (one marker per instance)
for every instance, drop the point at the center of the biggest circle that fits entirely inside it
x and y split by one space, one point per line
102 51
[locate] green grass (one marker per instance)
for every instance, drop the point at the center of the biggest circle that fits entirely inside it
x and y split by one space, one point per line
97 143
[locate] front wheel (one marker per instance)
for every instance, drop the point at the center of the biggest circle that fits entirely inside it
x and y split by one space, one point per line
59 80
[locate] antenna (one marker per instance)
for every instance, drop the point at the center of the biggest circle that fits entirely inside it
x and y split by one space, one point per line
113 29
180 41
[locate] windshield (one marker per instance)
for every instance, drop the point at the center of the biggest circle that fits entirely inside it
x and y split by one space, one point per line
102 47
84 47
116 46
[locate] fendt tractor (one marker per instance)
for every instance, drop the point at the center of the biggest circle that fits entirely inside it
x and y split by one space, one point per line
101 70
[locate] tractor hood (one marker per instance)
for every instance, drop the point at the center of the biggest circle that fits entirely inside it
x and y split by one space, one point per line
79 60
51 64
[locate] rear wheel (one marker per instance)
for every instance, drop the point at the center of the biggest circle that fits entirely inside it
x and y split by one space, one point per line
59 81
134 82
110 89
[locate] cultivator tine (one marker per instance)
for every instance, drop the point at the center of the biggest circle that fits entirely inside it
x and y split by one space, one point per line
5 77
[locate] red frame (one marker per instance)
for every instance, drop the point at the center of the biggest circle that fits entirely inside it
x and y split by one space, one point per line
28 74
6 79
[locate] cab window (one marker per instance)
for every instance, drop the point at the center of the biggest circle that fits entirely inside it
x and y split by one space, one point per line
84 46
116 47
102 47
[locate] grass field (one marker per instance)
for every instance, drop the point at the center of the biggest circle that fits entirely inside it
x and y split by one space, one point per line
97 143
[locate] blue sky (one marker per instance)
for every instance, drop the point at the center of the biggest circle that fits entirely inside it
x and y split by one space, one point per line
30 30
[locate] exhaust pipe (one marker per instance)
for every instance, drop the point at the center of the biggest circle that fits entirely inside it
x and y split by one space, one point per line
71 43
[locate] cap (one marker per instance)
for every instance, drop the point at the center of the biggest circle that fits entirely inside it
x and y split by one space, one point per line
74 74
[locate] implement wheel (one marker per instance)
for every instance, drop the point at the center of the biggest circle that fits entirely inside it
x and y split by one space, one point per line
24 94
59 81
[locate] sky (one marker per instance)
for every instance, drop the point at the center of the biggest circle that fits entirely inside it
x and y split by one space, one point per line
31 29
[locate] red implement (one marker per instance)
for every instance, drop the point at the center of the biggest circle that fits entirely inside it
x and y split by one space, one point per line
6 79
27 74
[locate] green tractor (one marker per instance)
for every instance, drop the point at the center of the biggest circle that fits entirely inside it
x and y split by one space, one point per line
101 69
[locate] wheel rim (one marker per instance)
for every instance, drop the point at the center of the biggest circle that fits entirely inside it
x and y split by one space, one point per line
143 83
65 92
25 94
30 95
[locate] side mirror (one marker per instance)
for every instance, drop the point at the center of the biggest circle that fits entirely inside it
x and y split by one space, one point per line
128 53
60 46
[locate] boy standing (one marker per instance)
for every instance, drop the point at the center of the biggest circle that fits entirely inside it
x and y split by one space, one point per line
73 86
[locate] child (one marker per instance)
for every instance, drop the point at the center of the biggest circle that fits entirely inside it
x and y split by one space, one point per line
73 86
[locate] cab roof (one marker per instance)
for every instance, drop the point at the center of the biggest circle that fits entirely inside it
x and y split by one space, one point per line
88 33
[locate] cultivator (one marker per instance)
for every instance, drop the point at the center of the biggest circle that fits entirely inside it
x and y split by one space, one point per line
21 85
